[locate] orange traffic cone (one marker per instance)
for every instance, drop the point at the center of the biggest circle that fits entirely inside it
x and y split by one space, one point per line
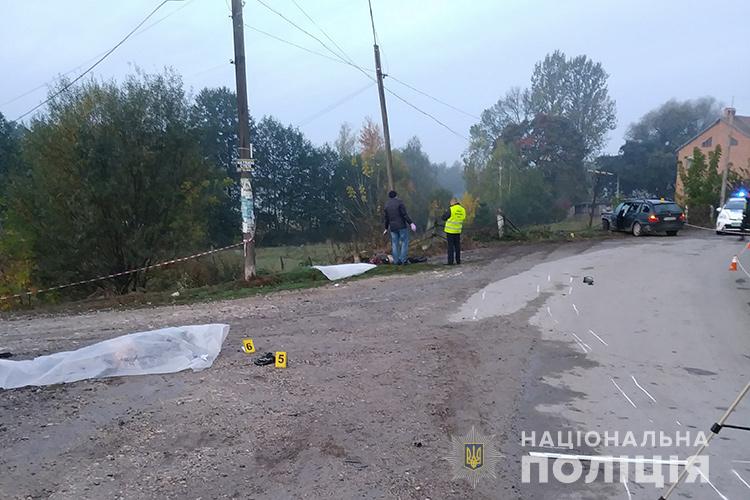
733 264
748 245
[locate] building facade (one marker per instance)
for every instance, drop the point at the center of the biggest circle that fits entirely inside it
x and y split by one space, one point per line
730 127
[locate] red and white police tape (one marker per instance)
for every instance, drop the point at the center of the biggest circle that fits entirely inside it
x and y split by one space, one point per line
123 273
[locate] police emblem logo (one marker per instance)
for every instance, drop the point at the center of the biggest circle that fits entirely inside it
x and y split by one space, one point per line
473 456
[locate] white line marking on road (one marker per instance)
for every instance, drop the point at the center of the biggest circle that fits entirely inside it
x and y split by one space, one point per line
570 291
740 478
623 393
625 483
711 484
582 348
576 310
556 322
741 461
475 313
484 294
678 422
598 337
549 277
608 458
641 388
538 289
549 312
571 280
582 342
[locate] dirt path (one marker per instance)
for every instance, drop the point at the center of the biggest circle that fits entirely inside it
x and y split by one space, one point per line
377 379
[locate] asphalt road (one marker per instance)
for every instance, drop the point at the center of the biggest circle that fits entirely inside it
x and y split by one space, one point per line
663 345
383 371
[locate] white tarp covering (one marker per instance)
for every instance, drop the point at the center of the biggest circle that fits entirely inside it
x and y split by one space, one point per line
340 271
167 350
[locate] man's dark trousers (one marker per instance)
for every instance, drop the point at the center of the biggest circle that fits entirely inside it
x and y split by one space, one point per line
454 247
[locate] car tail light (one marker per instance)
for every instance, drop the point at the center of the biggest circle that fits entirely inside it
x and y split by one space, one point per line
682 217
653 218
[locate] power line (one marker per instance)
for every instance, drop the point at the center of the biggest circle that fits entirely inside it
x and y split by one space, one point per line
433 98
303 30
359 68
90 68
212 68
334 105
343 52
426 114
338 57
45 84
338 60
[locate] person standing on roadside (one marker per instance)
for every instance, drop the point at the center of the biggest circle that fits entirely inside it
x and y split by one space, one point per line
454 222
397 221
745 218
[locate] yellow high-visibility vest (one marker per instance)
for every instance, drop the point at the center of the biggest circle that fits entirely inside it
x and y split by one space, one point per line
455 222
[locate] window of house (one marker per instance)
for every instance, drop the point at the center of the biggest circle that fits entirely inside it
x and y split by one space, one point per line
707 143
733 141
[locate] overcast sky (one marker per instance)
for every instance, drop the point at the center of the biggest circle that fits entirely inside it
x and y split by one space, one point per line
466 53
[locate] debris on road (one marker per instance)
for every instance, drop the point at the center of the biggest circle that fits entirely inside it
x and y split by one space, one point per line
588 280
167 350
6 355
340 271
265 359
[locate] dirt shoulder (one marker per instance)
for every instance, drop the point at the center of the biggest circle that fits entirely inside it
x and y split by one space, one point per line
377 380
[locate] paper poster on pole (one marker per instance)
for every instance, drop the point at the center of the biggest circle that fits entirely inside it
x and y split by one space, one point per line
246 202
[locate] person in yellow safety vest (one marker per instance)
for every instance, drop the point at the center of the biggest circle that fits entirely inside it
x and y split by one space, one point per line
454 222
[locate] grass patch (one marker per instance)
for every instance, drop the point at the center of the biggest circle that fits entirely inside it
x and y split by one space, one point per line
291 280
264 283
566 230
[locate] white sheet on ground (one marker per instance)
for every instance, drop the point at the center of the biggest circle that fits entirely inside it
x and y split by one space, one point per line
340 271
167 350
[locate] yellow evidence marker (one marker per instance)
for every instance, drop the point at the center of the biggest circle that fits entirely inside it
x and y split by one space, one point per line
247 346
280 359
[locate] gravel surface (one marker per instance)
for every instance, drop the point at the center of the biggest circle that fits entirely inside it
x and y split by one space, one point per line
378 378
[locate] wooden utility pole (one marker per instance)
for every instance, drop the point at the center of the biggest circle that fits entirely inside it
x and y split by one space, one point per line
245 162
383 110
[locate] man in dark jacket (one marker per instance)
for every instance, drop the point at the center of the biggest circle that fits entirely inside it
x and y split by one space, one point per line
397 221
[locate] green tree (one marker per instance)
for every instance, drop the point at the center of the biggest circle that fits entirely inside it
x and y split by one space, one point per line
113 180
574 88
675 122
552 146
292 183
213 116
702 184
646 163
15 258
10 153
512 109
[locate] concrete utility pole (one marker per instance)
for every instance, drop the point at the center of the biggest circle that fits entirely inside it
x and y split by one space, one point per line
383 110
724 178
245 162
